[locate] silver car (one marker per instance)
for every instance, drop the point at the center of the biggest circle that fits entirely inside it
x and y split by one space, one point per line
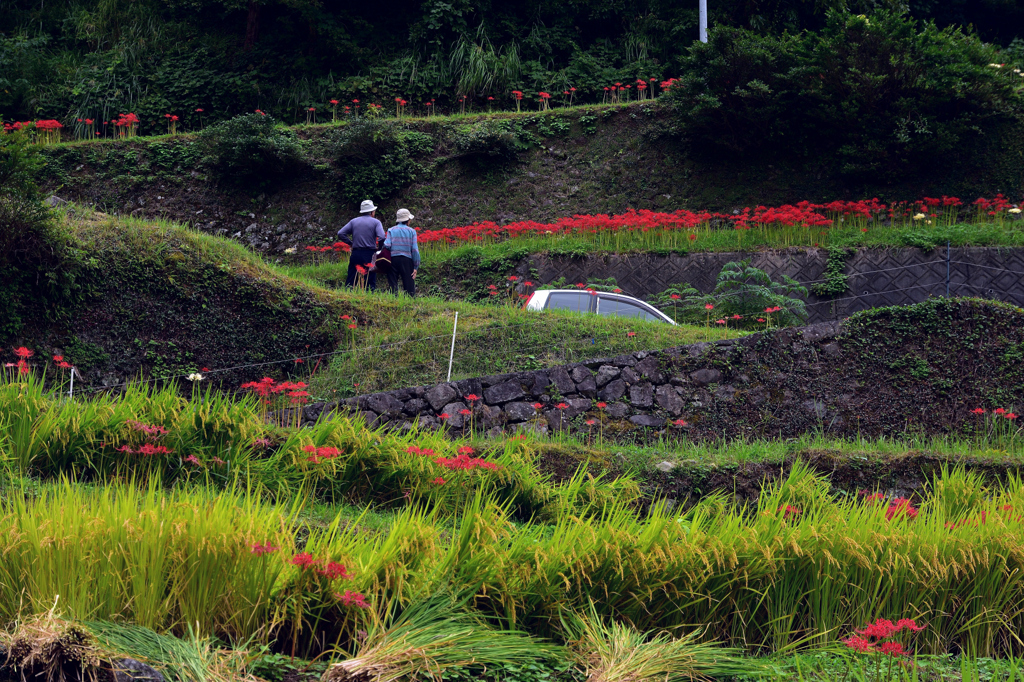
583 301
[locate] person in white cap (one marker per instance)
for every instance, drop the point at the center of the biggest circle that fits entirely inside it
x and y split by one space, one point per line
405 253
362 234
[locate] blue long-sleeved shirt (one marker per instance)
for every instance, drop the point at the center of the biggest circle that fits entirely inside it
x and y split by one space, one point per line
401 239
362 232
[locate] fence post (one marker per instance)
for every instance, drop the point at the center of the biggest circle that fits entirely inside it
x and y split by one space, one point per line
71 391
451 355
947 268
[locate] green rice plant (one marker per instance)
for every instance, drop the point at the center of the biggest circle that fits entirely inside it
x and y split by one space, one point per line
612 651
429 636
160 560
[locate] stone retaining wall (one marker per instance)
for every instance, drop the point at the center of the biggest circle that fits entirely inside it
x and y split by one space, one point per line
877 277
644 392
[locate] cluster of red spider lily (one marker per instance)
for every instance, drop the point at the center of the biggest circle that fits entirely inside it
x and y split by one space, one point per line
24 355
803 214
151 432
321 453
876 638
999 412
899 507
464 461
266 388
622 93
332 570
789 511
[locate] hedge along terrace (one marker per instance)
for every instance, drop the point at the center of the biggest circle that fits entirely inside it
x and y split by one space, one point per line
801 565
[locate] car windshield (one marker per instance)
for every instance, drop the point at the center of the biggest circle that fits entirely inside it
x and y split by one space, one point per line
570 300
620 308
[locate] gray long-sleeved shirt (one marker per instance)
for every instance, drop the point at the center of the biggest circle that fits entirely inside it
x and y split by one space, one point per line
362 232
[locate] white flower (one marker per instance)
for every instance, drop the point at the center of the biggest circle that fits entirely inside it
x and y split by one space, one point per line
290 250
195 376
1014 210
996 66
919 216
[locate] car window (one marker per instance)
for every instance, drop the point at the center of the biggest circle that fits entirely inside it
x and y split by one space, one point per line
620 308
570 300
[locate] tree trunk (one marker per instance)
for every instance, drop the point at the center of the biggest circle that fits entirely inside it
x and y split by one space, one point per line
252 26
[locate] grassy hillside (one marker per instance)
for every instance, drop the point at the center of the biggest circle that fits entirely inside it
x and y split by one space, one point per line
165 301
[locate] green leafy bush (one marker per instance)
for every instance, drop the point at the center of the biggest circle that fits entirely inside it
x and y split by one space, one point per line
487 140
251 150
879 97
377 159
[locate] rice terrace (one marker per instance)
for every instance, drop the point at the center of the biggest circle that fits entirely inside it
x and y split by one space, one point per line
420 341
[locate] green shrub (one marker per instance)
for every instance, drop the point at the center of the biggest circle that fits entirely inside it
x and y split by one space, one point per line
377 159
487 140
878 97
251 150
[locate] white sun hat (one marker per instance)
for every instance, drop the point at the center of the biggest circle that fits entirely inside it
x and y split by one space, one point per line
367 206
403 215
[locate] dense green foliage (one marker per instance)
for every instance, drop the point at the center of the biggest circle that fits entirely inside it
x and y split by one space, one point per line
97 58
877 97
251 149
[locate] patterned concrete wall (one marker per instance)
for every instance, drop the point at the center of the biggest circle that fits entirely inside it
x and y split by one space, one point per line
878 277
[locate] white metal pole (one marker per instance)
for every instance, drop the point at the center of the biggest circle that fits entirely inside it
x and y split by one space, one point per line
703 21
451 355
71 391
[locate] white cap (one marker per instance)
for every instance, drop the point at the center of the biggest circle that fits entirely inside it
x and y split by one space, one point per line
367 206
403 215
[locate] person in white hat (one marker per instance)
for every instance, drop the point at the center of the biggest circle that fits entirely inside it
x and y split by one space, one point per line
362 234
405 253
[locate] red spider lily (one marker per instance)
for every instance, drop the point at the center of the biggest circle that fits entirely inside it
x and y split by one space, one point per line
150 430
719 321
538 406
465 450
709 306
193 460
334 571
527 283
412 449
361 270
259 549
616 291
680 422
737 317
788 511
901 506
351 598
464 462
601 406
760 319
304 560
335 102
199 111
591 422
465 413
999 410
444 415
353 325
513 278
346 317
472 397
675 296
561 406
58 358
630 333
978 410
438 481
23 353
1010 415
859 644
218 461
